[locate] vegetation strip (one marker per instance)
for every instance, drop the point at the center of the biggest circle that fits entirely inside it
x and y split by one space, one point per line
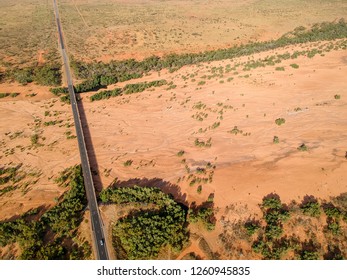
53 234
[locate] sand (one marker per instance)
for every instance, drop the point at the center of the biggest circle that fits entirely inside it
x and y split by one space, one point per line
151 127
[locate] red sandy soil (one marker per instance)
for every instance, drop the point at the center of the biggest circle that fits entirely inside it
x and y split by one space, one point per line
149 128
53 155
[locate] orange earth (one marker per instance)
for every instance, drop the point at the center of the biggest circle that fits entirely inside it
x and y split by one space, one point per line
151 127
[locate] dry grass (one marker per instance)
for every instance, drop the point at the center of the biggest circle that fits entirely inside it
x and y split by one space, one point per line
27 28
114 29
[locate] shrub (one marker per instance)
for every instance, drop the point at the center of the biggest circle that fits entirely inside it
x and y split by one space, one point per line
139 87
128 163
311 208
303 148
180 153
3 95
273 230
294 65
280 121
309 255
235 130
337 96
59 90
89 85
331 211
279 68
108 80
48 75
251 227
199 189
202 143
271 203
334 227
276 140
14 94
34 139
23 76
204 215
106 94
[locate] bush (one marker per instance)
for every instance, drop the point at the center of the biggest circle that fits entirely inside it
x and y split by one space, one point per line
23 76
251 227
294 65
280 121
139 87
309 255
272 203
58 91
106 94
14 94
108 80
276 140
203 214
199 189
273 231
88 85
331 211
311 208
201 143
334 227
303 148
128 163
34 139
48 75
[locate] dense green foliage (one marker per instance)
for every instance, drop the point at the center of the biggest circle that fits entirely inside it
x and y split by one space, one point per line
251 227
58 91
311 208
89 85
142 234
128 89
135 194
273 243
139 87
131 67
48 236
46 75
106 94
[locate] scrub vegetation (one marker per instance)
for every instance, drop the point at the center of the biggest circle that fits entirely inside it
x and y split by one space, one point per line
51 234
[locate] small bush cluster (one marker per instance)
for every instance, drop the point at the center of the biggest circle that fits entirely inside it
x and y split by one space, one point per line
280 121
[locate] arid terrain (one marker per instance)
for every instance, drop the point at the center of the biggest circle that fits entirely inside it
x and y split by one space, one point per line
118 29
230 131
